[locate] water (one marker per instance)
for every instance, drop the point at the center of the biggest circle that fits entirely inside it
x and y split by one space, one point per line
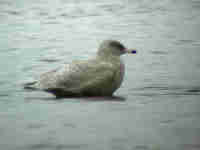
158 104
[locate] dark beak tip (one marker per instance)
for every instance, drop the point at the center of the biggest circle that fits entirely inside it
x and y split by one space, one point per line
133 51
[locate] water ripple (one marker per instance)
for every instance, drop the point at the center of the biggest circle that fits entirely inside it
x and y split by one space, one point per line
50 60
169 121
191 146
4 95
56 146
112 7
36 126
167 90
71 125
157 52
13 12
142 147
186 41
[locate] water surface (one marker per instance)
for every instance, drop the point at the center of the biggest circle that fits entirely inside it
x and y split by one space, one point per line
157 106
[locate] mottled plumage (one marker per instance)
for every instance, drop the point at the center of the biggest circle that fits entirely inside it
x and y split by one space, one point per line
100 76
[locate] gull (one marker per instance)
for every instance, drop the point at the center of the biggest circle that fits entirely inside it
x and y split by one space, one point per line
98 76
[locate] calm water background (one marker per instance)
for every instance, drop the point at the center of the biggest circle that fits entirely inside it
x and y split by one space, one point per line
158 104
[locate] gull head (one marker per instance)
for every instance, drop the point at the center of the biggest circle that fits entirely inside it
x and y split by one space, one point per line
113 48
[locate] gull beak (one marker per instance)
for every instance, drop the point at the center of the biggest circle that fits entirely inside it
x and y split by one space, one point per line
132 51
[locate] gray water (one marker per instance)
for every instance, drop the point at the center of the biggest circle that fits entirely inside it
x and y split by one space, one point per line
156 108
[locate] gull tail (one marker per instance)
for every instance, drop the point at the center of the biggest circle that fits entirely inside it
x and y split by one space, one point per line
31 85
